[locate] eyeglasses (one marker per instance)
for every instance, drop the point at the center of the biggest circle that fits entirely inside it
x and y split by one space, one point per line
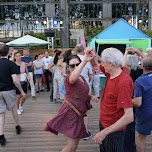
73 65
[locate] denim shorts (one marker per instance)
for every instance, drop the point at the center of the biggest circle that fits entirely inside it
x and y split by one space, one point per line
144 128
38 76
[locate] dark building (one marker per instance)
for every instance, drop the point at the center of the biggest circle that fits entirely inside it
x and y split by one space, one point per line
18 17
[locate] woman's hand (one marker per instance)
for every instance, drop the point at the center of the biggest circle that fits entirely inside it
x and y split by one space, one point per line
89 54
94 98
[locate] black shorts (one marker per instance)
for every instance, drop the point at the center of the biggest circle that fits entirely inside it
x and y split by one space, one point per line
24 87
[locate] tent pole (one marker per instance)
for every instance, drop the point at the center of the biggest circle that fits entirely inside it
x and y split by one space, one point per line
97 49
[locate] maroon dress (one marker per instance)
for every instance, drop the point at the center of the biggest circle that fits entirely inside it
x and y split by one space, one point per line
67 121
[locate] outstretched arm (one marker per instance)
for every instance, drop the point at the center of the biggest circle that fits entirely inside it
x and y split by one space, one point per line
89 54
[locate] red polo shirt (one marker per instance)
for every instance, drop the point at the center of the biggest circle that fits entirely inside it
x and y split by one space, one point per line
117 95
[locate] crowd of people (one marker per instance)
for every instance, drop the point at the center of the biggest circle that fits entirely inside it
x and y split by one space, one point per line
126 100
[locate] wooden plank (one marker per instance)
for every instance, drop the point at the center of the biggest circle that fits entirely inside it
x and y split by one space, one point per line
34 139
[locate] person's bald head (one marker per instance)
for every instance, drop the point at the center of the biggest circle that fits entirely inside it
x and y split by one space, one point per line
147 62
79 49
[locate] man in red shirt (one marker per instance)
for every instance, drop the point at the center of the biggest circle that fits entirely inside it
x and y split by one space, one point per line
116 103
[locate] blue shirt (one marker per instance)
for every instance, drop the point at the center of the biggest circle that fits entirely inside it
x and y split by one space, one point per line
27 59
143 88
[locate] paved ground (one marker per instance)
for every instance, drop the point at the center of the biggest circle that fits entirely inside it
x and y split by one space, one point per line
34 139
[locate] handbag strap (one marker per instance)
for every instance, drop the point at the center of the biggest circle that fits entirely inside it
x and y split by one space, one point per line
73 107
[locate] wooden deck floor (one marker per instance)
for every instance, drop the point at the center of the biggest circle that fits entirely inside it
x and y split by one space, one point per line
34 139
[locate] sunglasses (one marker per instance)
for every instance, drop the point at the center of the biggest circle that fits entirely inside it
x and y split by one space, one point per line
73 65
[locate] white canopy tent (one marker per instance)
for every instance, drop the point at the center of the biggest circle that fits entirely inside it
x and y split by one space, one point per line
28 41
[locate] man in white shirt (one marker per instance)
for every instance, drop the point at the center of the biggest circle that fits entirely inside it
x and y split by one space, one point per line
46 62
87 73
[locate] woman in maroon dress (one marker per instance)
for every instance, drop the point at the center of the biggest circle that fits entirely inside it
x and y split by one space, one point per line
69 120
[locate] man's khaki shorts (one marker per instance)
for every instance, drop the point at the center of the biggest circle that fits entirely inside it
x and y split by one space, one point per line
7 100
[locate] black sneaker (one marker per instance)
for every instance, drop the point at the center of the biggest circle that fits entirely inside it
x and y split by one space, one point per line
2 140
88 136
51 99
42 90
48 90
18 129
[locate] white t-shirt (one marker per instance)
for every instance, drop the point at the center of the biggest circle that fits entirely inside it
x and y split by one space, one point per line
46 62
87 70
52 60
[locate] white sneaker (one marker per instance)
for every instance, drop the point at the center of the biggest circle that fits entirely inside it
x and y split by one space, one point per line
21 108
19 112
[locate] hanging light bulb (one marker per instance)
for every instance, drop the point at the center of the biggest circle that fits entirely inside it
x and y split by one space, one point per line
61 22
140 21
129 21
55 22
37 22
44 22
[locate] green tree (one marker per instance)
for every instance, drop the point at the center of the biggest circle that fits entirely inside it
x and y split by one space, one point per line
90 32
37 35
148 32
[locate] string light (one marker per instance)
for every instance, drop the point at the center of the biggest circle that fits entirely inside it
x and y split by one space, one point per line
44 22
37 22
129 21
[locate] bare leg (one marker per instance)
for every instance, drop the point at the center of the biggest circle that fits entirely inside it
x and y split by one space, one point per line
23 100
18 97
141 143
40 83
71 145
36 85
86 119
2 122
15 116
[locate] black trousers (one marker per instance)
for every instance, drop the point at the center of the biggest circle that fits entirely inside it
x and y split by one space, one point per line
114 142
129 140
47 74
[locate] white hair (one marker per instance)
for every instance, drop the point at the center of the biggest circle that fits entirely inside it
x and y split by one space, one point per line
149 49
113 56
132 61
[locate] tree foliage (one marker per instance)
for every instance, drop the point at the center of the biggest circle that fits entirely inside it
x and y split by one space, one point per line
37 35
40 36
90 32
148 32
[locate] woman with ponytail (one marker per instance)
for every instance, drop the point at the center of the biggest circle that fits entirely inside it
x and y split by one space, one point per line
56 69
